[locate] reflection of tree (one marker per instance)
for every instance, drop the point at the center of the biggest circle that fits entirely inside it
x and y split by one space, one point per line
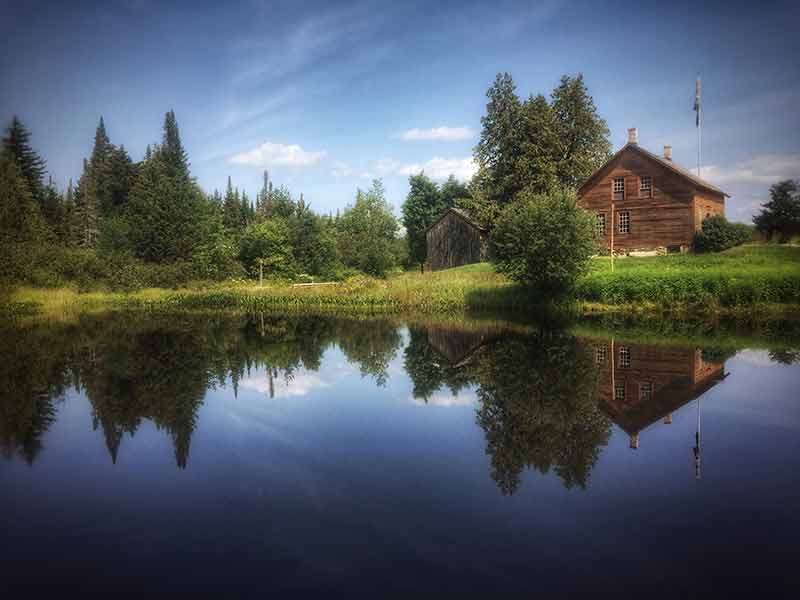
372 345
785 357
30 381
536 392
428 370
538 409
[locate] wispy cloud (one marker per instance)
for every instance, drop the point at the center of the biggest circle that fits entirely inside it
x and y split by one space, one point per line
301 384
270 154
441 168
443 133
765 169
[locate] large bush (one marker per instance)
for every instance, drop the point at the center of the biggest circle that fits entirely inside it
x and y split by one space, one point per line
267 243
544 241
719 234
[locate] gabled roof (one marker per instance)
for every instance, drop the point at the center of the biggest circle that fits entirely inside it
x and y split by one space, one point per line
460 213
667 164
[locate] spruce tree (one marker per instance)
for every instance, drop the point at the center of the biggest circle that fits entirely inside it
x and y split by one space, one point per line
87 209
20 217
231 212
33 167
174 155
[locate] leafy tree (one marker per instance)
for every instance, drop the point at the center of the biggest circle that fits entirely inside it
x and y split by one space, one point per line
16 144
366 232
267 243
452 192
718 234
314 245
781 215
544 241
20 217
422 206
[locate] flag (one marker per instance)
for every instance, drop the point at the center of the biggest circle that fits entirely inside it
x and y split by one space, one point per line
697 101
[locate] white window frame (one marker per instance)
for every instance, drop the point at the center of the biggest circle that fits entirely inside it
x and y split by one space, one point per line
646 391
600 219
619 392
646 185
624 357
618 187
600 354
624 221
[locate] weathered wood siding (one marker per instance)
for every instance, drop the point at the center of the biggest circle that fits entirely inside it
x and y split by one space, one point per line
706 205
453 242
667 216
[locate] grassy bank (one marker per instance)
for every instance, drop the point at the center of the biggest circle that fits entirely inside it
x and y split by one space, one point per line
753 278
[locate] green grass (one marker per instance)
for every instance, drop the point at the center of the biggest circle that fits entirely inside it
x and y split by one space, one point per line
746 279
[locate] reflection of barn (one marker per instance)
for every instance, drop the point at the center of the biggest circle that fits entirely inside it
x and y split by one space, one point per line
639 385
459 344
455 239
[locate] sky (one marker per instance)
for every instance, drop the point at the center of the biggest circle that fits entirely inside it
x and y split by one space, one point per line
328 95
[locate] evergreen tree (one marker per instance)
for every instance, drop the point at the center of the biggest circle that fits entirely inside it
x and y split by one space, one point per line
33 167
231 210
173 154
20 217
87 209
581 134
119 174
52 209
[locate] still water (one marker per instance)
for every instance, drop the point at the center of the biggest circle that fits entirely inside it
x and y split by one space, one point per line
234 456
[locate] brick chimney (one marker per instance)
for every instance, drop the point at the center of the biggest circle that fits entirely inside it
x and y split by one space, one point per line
668 153
633 136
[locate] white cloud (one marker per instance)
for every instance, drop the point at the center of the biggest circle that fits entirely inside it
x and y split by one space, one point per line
341 169
443 133
270 154
441 168
765 169
299 385
447 400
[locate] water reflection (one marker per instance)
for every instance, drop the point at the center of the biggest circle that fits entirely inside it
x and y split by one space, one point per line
546 398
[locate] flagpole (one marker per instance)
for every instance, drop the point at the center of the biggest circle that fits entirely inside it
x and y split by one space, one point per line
699 108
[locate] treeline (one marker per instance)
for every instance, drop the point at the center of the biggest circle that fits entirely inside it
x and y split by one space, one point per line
130 224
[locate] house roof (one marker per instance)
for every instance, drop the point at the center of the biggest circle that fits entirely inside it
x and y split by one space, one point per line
667 164
460 213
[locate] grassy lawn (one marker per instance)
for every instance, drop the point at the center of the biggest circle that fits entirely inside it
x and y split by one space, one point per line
745 278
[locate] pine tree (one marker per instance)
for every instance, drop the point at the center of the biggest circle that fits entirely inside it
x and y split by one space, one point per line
101 147
20 217
174 155
87 209
33 167
52 209
231 211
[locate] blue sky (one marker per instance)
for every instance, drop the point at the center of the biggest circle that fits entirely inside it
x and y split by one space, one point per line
327 95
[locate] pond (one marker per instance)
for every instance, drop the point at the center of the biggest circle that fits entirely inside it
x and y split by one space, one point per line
246 455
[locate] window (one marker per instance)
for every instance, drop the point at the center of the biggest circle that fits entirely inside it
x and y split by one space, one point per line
646 185
645 391
619 392
600 224
624 356
600 354
624 222
619 188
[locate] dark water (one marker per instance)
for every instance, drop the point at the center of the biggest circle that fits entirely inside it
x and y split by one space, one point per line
253 456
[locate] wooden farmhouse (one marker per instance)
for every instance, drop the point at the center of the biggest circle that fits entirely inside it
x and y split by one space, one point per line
645 202
455 239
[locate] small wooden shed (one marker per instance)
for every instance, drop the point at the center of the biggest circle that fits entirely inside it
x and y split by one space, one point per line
455 239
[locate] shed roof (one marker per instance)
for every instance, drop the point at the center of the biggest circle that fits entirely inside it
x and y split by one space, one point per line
667 164
463 214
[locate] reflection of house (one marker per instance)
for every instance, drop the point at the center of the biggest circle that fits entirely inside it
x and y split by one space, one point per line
639 385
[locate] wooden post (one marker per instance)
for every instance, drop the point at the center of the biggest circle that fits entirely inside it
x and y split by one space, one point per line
612 232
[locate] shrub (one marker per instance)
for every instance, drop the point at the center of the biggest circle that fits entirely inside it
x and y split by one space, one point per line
267 243
544 241
719 234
